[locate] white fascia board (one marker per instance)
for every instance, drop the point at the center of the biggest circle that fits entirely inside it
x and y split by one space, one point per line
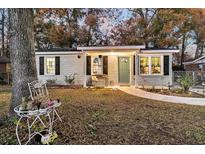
58 53
111 48
196 61
154 54
200 61
159 51
187 63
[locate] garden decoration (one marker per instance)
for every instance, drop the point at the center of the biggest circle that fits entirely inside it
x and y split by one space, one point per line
39 89
34 109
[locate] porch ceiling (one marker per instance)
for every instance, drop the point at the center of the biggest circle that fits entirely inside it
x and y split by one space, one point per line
112 53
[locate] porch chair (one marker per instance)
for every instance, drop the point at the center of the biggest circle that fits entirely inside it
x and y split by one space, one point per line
37 89
98 81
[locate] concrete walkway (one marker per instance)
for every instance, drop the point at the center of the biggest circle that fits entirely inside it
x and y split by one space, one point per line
173 99
197 90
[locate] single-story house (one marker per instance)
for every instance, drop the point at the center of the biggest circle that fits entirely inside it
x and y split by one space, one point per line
107 66
4 64
195 64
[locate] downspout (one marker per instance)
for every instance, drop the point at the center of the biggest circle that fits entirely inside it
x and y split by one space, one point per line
85 74
136 69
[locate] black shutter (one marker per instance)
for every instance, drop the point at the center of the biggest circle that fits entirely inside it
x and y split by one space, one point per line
88 65
41 65
57 67
105 64
133 65
166 65
138 65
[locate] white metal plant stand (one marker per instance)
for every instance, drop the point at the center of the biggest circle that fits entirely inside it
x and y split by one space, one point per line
37 89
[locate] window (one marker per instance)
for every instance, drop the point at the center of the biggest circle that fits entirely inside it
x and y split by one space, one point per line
50 66
144 65
200 66
155 65
8 67
150 65
97 66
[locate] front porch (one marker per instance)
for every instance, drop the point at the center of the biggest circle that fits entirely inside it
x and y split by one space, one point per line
109 68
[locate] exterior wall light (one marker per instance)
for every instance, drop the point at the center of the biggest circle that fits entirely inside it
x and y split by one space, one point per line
79 56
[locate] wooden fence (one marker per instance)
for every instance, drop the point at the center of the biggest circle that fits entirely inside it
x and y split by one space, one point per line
5 78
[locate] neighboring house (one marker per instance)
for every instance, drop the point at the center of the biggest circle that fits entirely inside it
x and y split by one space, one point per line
195 65
4 64
116 65
5 69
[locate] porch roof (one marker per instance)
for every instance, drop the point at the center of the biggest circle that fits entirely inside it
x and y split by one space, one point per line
194 61
109 48
155 50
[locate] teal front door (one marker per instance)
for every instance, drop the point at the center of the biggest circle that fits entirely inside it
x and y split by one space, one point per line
124 69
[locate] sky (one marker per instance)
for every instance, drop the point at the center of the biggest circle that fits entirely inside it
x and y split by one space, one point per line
109 23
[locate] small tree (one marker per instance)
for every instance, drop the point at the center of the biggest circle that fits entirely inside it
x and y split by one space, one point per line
185 82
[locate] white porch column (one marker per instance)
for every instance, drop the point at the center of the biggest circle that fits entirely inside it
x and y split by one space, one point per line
136 69
85 66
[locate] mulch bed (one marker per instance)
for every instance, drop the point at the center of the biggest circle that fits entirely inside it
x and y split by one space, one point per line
174 92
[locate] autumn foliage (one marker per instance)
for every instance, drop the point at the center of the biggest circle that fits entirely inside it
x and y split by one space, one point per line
154 27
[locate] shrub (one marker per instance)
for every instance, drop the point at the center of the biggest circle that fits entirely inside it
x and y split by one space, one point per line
70 79
185 82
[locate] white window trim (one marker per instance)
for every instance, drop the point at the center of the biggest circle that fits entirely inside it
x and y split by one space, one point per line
92 59
150 67
45 66
144 56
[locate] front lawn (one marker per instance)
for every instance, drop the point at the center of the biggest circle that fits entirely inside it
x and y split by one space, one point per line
105 116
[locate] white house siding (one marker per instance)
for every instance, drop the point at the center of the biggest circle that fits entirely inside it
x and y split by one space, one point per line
113 70
69 64
157 81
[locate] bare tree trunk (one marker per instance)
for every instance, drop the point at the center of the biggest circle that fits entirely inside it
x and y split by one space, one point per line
197 45
89 37
7 51
202 48
2 30
22 53
183 50
197 51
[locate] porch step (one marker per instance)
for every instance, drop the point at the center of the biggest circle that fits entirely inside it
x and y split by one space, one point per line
125 85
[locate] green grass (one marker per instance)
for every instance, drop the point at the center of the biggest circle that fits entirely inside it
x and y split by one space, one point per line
105 116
